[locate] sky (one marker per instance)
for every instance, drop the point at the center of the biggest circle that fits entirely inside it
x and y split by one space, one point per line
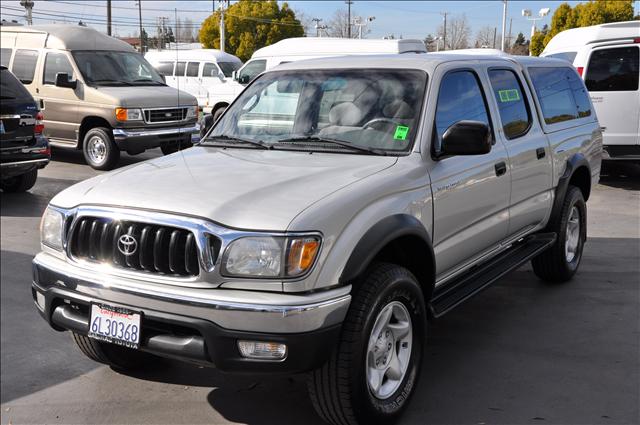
409 19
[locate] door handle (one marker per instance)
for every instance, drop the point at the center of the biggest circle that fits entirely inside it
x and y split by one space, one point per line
540 153
501 168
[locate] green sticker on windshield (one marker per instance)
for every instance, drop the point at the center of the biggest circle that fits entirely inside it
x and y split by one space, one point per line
401 132
509 95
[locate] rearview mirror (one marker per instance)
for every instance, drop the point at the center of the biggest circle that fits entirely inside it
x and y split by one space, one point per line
62 80
466 138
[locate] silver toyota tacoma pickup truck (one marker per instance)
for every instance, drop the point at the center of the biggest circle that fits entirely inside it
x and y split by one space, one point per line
335 208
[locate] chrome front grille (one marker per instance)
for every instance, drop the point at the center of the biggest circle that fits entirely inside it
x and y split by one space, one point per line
164 115
136 246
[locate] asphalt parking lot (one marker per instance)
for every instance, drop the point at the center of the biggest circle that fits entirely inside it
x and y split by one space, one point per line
521 352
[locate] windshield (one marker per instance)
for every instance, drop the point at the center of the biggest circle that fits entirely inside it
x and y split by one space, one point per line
105 68
228 67
376 110
251 70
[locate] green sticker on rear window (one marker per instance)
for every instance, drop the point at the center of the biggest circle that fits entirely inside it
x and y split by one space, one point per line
401 132
509 95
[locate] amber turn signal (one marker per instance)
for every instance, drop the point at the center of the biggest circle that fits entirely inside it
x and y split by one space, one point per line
302 254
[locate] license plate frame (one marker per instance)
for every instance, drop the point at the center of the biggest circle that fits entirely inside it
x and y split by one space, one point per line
127 329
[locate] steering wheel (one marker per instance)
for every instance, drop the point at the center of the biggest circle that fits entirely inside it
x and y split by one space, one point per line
386 122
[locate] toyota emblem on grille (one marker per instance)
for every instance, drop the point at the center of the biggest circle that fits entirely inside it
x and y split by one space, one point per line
127 245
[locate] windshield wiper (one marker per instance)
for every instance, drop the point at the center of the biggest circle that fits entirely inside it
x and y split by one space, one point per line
108 81
317 139
230 141
147 80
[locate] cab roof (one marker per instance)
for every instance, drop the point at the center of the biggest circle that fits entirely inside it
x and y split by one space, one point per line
71 37
191 54
327 46
577 37
423 61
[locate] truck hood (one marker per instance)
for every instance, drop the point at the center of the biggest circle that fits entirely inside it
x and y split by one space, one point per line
240 188
143 96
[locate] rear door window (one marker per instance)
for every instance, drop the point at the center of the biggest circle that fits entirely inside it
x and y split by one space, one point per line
165 68
11 88
55 63
24 65
614 69
180 69
554 91
460 98
192 69
512 104
5 56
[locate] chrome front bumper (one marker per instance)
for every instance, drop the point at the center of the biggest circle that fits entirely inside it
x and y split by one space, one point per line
156 136
238 310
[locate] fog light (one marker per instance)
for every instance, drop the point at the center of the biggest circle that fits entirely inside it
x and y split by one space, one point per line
262 350
40 300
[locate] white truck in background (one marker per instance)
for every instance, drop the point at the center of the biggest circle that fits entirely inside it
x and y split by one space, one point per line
607 57
204 73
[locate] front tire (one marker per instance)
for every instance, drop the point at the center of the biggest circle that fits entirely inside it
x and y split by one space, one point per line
99 149
560 262
374 370
116 356
20 183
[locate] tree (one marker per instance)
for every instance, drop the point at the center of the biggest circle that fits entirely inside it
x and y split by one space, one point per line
520 46
593 12
430 43
250 25
339 24
485 37
458 31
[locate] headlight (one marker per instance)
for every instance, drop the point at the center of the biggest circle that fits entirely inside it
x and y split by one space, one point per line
270 256
192 112
51 229
124 114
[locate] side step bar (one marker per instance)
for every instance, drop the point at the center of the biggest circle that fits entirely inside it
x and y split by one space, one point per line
459 290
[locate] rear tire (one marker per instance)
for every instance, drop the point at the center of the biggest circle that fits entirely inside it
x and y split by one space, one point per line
99 149
374 369
560 262
20 183
116 356
218 113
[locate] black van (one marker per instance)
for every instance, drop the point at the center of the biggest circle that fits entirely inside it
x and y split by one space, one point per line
23 148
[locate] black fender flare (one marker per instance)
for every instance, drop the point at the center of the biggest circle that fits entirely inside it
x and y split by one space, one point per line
378 236
576 161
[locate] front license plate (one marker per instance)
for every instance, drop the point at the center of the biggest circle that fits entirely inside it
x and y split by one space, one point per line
115 325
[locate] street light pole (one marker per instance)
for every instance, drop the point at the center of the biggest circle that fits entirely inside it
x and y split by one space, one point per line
504 24
349 3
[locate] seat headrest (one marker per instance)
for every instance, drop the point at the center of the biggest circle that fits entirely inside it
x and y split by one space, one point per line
345 114
398 109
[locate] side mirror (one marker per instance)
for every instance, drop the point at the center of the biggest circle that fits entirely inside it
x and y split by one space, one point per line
62 80
221 76
466 138
234 75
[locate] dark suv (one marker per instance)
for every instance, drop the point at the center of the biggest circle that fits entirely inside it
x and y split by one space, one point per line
23 148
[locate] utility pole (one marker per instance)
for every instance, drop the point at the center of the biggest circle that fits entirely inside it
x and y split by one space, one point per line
495 30
504 24
444 36
349 3
177 34
509 38
140 20
28 6
223 3
108 17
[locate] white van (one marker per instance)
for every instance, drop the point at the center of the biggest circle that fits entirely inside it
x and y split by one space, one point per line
295 49
204 73
607 57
